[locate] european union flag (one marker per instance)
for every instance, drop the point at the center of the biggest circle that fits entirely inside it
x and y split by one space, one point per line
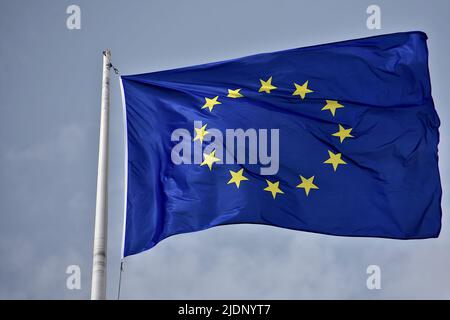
338 139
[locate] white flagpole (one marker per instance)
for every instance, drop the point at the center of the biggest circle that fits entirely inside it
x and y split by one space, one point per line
98 289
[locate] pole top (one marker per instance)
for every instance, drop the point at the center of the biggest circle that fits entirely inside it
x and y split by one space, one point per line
107 58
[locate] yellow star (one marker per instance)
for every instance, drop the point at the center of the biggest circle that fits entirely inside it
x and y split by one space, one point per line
266 86
307 184
273 188
234 93
209 159
335 159
237 177
301 90
343 133
210 103
200 133
332 105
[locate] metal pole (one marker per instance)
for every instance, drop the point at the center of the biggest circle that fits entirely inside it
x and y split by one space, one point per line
98 289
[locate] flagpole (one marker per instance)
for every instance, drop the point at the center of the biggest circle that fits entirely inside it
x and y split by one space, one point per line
99 266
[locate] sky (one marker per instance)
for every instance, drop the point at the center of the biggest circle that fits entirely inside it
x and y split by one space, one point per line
50 85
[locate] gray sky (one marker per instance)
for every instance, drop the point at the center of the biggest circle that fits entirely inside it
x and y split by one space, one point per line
50 82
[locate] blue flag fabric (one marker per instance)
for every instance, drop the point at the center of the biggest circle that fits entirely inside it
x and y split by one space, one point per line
338 139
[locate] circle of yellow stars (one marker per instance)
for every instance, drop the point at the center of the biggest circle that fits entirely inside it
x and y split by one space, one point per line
307 184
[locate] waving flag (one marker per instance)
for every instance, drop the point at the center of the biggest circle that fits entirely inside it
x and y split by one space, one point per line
338 139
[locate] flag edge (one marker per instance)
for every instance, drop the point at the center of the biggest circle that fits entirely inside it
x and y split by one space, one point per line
125 144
